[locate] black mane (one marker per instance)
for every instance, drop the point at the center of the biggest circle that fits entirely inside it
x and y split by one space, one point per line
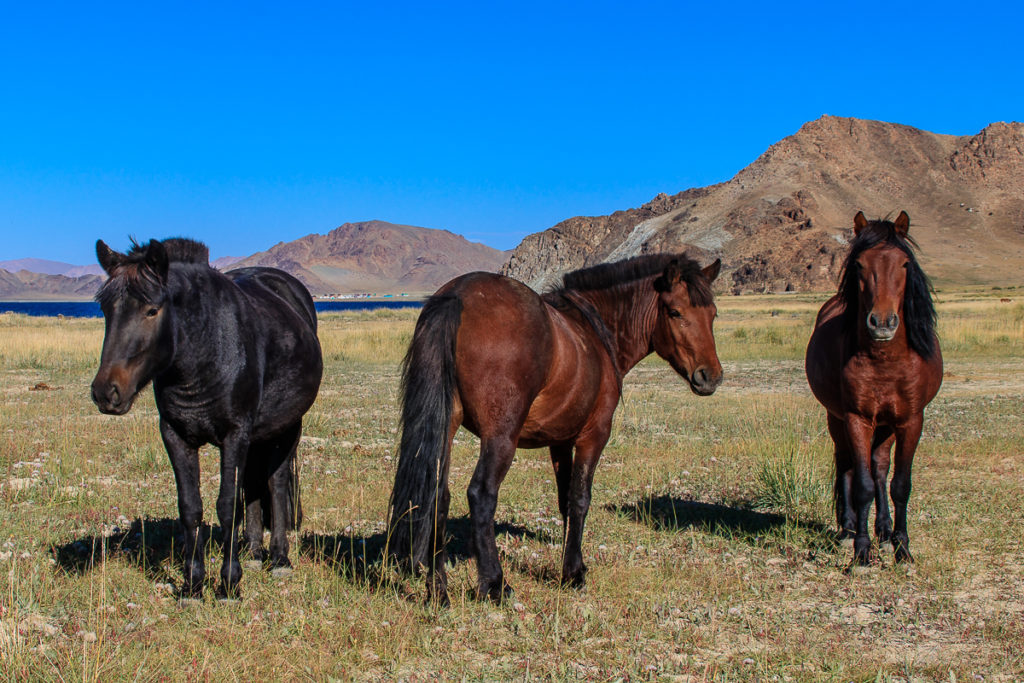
608 275
918 308
138 281
179 250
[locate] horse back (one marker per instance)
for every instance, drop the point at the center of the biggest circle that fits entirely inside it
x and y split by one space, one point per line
272 284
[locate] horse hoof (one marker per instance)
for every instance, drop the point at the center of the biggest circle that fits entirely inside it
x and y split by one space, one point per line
494 595
281 572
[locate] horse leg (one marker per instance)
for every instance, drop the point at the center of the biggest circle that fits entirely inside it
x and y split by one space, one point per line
880 449
280 454
907 437
842 490
860 434
496 453
233 453
185 462
437 573
561 460
588 452
255 492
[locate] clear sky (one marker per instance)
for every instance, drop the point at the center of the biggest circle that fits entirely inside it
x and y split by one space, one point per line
248 124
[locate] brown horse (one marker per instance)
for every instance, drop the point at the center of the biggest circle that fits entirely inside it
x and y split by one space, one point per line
874 363
529 371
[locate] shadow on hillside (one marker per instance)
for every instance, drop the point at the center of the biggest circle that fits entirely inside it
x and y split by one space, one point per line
675 514
361 558
146 544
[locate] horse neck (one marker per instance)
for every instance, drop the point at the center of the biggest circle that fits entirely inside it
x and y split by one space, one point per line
629 311
194 323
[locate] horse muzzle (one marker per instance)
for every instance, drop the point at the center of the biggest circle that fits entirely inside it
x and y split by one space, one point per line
882 328
703 381
110 398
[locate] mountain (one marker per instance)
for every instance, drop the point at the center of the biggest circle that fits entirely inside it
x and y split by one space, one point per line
375 256
225 262
46 267
34 286
783 222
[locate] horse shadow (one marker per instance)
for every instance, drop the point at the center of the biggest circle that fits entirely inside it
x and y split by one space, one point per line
668 513
146 544
362 559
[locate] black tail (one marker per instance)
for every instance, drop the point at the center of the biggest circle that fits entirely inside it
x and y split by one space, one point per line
428 390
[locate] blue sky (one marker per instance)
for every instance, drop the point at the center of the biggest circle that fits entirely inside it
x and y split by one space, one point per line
248 124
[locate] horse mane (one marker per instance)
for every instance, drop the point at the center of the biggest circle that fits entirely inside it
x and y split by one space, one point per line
179 250
607 275
134 280
918 307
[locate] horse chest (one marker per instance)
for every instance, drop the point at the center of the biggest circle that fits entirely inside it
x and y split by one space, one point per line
197 417
878 390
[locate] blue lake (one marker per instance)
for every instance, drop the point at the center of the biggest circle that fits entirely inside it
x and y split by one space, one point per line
91 309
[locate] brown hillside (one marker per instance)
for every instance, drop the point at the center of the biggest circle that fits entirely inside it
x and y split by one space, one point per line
783 222
375 256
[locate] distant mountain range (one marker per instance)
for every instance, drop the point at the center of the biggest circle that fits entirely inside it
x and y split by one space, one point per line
44 267
783 222
369 257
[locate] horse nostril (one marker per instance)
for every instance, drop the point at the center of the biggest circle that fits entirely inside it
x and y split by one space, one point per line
700 376
893 322
872 321
114 395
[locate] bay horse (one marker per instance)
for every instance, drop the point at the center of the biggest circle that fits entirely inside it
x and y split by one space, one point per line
235 361
522 370
874 363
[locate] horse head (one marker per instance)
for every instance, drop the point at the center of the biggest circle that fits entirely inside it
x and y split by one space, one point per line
138 340
882 280
683 332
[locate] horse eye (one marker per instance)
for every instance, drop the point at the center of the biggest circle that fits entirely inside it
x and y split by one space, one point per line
673 313
152 312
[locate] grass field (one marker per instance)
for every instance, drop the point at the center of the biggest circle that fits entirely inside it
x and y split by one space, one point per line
709 542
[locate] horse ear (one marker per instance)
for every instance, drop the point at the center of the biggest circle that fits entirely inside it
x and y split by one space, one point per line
859 222
156 259
669 277
107 257
711 272
902 224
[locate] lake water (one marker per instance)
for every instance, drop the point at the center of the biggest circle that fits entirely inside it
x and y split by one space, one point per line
91 309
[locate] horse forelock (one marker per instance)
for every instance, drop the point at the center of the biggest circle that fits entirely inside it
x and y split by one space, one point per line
608 275
131 279
918 307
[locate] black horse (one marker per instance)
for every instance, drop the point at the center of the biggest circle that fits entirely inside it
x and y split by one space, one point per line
235 361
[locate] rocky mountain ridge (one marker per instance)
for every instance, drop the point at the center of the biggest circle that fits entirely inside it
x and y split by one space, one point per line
783 222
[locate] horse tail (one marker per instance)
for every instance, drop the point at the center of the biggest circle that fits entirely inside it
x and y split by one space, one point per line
427 397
